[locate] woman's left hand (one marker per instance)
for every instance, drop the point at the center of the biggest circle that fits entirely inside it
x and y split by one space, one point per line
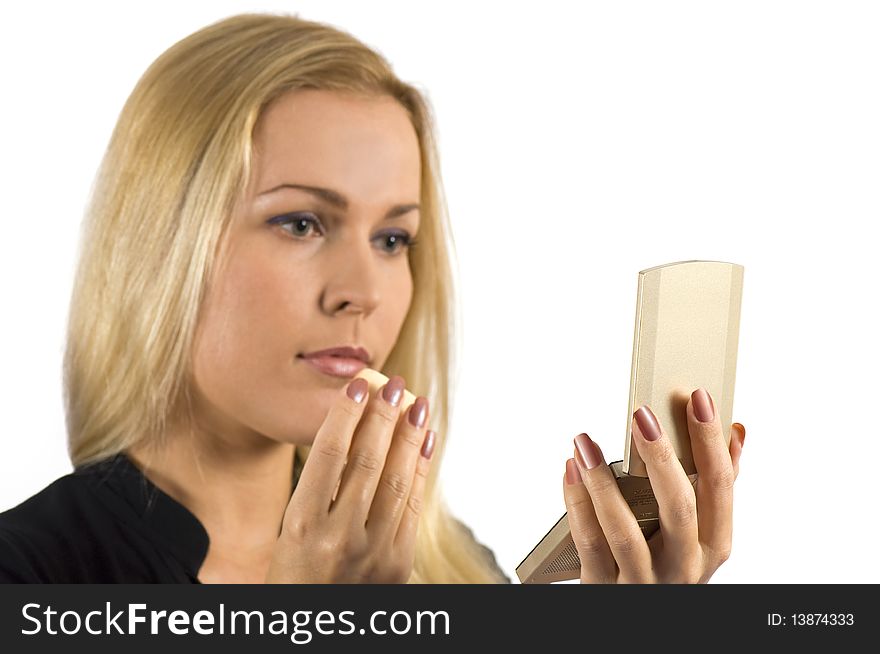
696 520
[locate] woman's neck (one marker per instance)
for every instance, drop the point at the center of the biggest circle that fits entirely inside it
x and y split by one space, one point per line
238 493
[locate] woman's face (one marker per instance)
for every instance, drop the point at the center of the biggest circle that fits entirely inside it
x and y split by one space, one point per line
318 264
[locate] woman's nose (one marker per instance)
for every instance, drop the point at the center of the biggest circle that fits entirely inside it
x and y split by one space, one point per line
353 282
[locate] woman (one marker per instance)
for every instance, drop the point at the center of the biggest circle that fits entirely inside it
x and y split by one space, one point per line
270 192
202 283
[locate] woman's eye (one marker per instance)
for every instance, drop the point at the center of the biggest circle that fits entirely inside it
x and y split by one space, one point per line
396 241
300 224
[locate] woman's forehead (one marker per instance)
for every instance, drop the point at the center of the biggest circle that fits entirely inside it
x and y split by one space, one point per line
366 144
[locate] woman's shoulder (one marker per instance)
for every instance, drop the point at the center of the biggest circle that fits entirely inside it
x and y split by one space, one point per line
45 506
43 534
102 523
31 531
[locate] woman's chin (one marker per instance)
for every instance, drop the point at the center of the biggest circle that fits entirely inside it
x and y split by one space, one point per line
301 427
297 422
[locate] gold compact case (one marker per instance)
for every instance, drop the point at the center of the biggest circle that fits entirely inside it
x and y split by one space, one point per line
686 337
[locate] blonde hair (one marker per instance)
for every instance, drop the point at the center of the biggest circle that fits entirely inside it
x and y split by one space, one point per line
178 158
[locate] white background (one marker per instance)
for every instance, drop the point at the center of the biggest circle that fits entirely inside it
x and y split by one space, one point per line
580 143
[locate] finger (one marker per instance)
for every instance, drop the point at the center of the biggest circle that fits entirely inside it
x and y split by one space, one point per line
369 449
597 561
322 470
673 490
396 480
619 525
738 437
407 530
715 474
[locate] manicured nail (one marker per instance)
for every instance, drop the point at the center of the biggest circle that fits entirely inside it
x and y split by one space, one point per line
647 423
590 455
393 390
357 390
742 432
704 407
572 474
418 412
428 445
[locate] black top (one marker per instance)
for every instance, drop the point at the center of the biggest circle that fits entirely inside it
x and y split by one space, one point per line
103 523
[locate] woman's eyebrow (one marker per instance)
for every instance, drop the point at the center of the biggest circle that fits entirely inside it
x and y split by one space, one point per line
337 199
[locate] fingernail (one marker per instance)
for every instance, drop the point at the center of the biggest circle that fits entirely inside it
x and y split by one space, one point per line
572 474
704 407
428 445
742 433
418 412
647 423
357 390
393 390
590 455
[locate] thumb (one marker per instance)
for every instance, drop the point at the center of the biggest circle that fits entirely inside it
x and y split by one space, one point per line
737 438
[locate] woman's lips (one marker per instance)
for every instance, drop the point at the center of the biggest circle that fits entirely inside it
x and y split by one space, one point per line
336 366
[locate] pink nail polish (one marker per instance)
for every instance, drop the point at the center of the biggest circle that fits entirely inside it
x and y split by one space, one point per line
647 423
572 474
428 445
357 390
590 455
393 390
418 412
704 408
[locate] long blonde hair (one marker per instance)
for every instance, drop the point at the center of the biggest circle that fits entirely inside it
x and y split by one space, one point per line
178 158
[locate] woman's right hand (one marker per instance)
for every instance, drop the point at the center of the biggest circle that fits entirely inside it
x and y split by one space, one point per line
355 511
